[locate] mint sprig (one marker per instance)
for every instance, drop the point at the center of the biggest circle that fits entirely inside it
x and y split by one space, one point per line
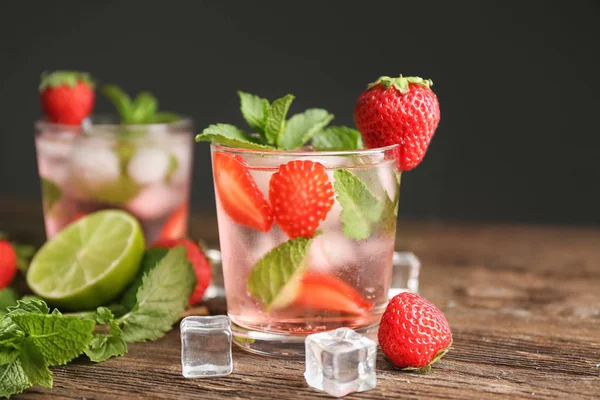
139 111
271 130
106 345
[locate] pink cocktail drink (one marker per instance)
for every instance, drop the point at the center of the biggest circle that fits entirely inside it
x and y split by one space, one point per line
283 281
142 169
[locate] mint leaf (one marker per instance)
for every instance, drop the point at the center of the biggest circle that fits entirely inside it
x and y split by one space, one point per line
301 127
275 125
51 193
274 280
31 305
161 298
8 354
10 334
104 346
34 365
229 135
13 379
120 100
337 138
143 109
8 298
59 338
360 208
165 117
254 109
24 254
149 261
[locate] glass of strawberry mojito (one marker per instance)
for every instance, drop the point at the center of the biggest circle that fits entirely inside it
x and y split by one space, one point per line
140 162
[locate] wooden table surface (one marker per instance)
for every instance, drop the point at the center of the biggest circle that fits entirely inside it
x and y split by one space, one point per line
523 303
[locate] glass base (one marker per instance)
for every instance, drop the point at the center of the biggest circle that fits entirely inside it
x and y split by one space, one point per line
279 344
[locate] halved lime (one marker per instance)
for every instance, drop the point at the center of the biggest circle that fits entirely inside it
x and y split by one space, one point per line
88 263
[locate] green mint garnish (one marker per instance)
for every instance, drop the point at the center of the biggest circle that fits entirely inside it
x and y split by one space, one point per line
275 126
302 127
229 135
142 110
161 298
149 262
34 364
254 109
336 138
51 193
361 209
106 345
14 380
275 278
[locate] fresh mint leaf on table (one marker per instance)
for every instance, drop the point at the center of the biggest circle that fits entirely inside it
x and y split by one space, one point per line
139 111
149 261
106 345
161 298
274 278
336 138
271 130
302 127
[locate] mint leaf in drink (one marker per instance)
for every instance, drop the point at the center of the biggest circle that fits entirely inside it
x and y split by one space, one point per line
104 346
34 365
120 100
149 261
229 135
8 298
301 128
51 193
276 116
275 278
59 338
140 111
360 207
165 117
254 109
161 298
143 109
13 379
337 138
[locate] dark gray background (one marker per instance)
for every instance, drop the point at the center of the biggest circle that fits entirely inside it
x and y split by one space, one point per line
518 83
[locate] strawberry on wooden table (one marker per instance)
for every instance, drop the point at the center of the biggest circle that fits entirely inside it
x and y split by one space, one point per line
301 195
403 111
240 197
413 332
198 260
67 97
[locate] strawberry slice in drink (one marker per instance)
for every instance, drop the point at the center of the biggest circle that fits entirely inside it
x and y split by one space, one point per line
240 197
176 225
326 292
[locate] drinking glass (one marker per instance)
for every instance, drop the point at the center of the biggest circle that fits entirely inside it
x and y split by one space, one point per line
142 169
354 273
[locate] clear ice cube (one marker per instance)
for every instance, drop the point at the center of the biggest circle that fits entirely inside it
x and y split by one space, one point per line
405 277
340 362
206 347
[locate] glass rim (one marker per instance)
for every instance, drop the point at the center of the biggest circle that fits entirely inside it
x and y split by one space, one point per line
43 123
303 153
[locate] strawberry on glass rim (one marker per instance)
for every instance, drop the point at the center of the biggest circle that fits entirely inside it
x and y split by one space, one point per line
403 111
67 97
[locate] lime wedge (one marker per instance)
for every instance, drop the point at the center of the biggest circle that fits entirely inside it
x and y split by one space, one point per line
88 263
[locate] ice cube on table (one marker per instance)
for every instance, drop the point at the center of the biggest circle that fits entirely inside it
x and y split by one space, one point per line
148 165
206 347
405 276
340 362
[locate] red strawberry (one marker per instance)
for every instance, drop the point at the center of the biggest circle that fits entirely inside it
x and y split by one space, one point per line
8 263
176 225
301 196
199 262
326 292
67 96
240 197
413 333
402 111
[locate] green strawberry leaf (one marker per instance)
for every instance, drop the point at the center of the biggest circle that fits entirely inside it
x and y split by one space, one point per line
69 78
229 135
34 365
360 207
59 338
161 298
120 100
13 379
274 280
301 128
254 109
337 138
275 125
51 193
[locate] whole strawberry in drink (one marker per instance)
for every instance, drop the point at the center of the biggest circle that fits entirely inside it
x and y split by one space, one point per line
67 96
413 333
402 111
